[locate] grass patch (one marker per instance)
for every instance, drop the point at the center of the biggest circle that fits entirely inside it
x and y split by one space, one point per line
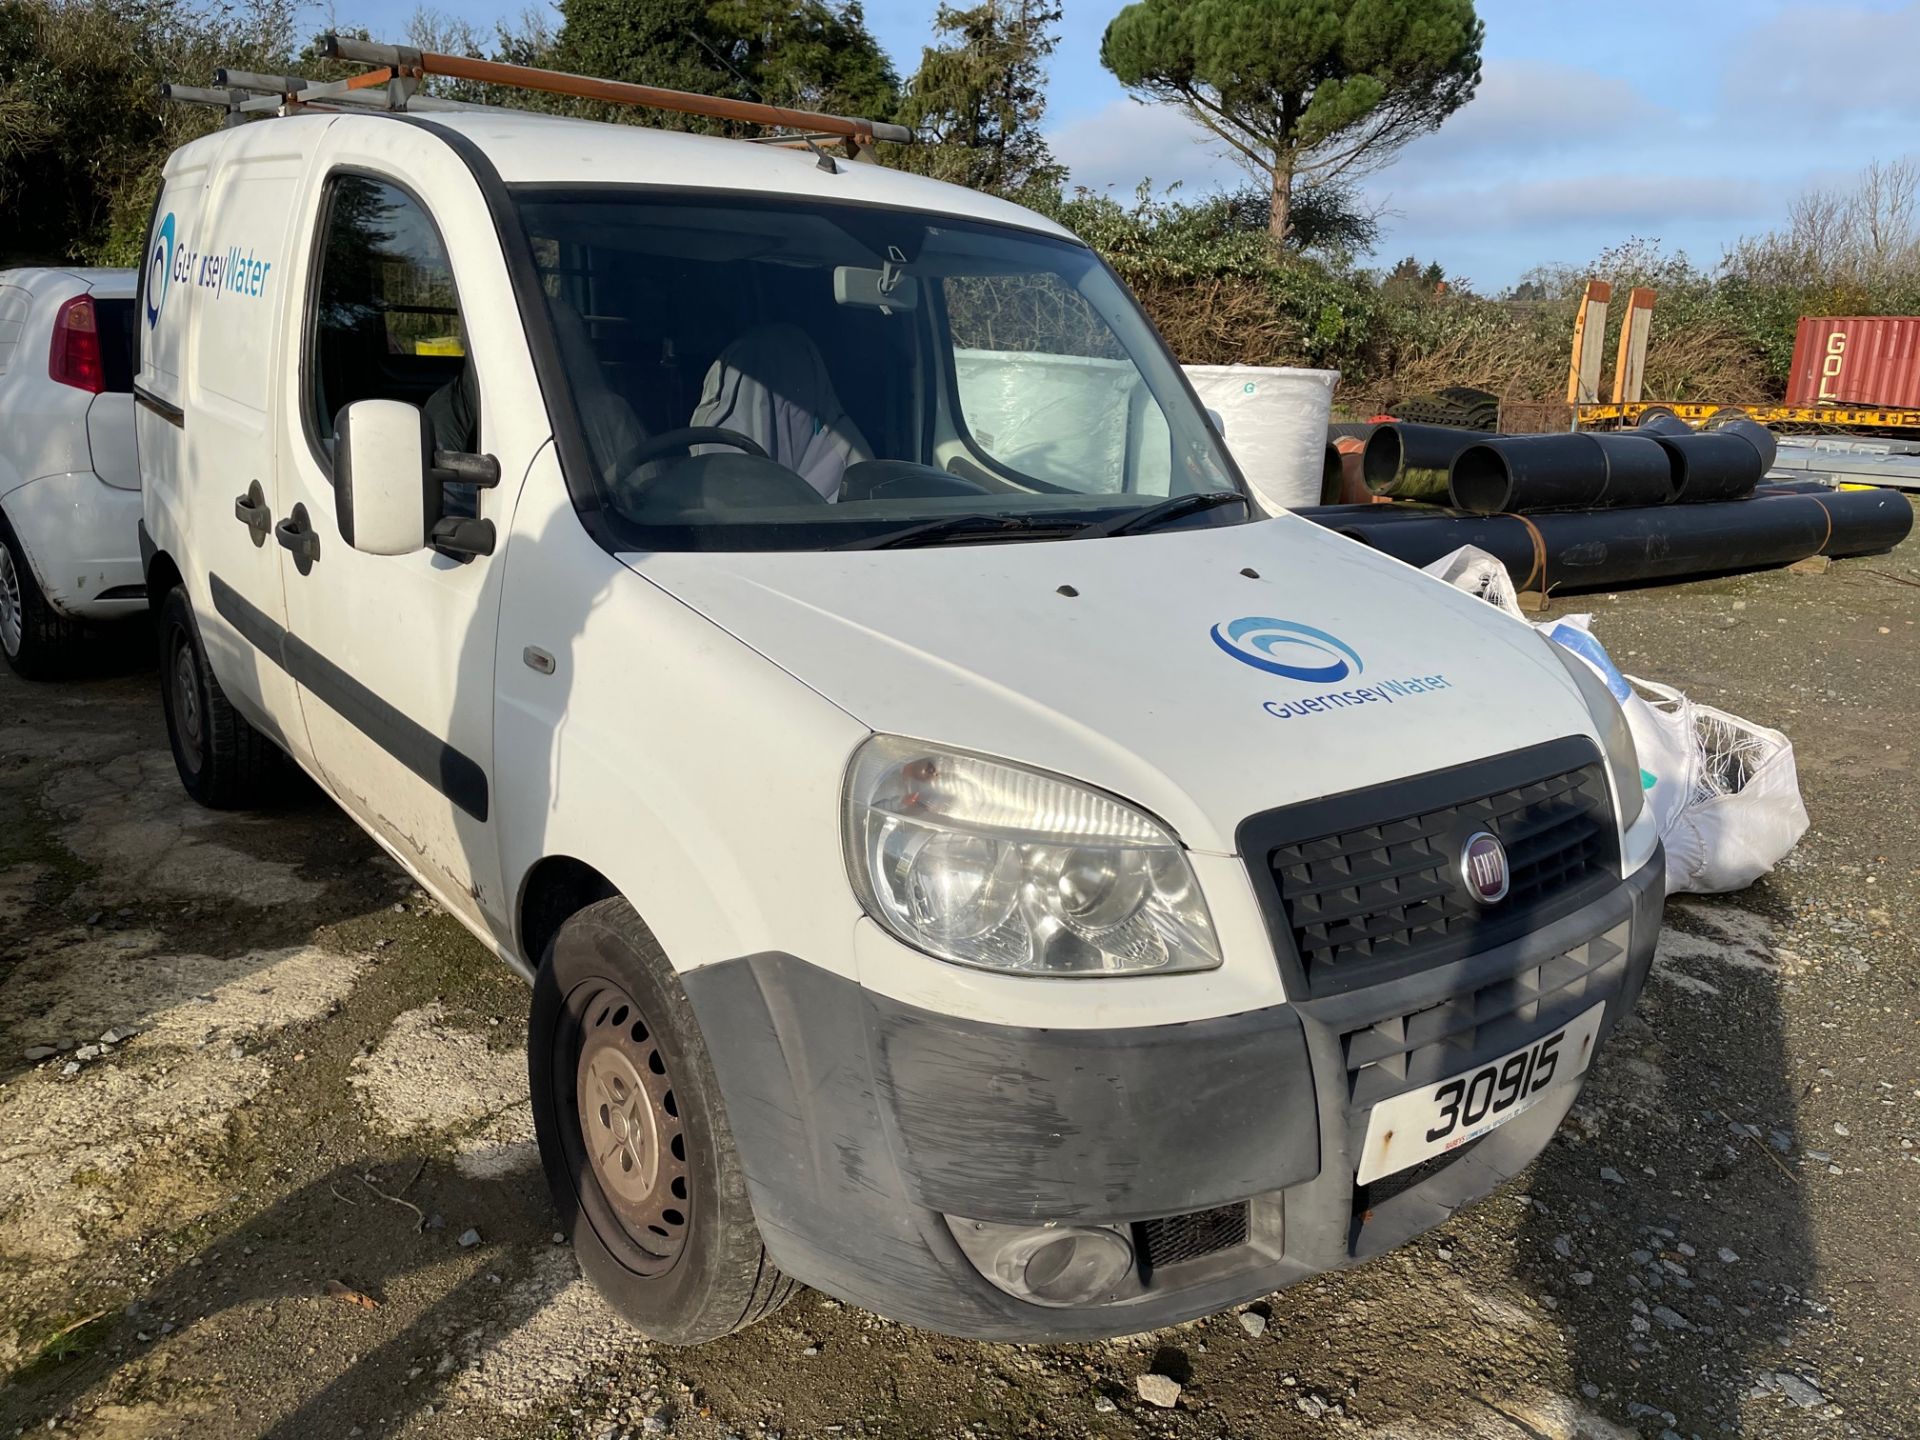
61 1341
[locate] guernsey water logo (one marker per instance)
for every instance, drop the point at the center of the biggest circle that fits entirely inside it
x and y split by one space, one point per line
1311 656
1288 648
229 272
159 270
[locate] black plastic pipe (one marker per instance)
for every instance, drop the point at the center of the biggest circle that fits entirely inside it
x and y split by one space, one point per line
1755 434
1596 549
1410 462
1571 471
1330 475
1639 470
1711 465
1663 422
1333 516
1519 472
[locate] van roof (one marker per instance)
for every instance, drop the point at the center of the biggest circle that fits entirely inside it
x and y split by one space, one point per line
531 148
543 149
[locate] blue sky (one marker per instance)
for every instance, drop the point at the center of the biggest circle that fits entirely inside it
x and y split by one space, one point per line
1693 121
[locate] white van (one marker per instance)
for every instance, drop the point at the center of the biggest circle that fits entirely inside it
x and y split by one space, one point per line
797 614
69 481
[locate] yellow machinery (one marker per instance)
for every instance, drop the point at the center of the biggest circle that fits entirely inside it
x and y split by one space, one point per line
1626 407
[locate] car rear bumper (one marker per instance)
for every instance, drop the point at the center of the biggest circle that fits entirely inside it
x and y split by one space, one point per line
81 536
872 1132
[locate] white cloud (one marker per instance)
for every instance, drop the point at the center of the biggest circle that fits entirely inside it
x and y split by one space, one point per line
1527 106
1814 67
1584 202
1117 147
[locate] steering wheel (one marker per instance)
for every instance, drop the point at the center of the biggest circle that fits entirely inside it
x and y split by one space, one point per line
685 438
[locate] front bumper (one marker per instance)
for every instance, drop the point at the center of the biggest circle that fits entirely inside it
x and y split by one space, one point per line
861 1122
81 536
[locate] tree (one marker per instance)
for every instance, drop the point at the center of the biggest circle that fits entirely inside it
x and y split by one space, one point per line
815 55
1410 277
978 99
1319 91
83 131
811 55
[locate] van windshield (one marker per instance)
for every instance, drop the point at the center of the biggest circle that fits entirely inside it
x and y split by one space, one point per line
763 373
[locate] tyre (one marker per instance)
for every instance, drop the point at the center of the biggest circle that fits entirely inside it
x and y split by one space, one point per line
224 762
38 641
634 1137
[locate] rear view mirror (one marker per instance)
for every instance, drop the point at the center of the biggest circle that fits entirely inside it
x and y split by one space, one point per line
385 496
854 285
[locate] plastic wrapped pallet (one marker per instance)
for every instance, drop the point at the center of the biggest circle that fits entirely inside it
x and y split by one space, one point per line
1275 422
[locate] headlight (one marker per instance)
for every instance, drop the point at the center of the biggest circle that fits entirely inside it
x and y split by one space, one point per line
987 864
1608 718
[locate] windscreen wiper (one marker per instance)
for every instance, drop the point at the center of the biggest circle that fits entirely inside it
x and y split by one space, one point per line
931 532
1170 509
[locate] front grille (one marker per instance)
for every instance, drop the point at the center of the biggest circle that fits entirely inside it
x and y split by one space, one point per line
1367 885
1192 1236
1424 1047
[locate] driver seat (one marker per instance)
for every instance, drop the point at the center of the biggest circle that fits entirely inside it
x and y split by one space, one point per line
772 386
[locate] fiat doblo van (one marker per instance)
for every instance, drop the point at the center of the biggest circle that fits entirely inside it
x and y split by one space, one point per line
797 613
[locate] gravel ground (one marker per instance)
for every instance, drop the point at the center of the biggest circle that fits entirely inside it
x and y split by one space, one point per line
265 1164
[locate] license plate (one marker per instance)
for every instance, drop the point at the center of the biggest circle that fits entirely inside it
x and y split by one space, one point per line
1423 1123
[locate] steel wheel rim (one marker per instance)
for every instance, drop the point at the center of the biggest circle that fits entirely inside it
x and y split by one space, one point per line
630 1129
12 606
184 681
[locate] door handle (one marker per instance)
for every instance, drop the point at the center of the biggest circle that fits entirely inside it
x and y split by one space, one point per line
250 510
296 535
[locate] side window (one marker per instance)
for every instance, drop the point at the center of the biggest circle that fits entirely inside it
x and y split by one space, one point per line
1044 389
385 320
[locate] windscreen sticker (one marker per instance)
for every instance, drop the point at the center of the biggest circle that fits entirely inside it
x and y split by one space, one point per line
1311 656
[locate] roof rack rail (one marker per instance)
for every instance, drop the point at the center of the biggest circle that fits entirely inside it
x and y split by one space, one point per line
394 84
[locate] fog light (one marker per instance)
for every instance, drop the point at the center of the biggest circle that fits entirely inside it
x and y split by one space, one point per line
1051 1264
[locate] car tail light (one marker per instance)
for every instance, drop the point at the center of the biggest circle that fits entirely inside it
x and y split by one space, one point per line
75 356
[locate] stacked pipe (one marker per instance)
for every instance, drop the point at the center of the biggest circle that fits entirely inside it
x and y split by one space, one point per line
1589 510
1580 470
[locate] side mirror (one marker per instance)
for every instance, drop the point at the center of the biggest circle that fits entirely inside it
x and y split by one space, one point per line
1219 424
384 493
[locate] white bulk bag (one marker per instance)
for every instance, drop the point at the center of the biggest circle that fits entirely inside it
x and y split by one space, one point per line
1723 791
1275 422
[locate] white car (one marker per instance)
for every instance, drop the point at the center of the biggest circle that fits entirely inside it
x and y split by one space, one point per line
69 480
798 615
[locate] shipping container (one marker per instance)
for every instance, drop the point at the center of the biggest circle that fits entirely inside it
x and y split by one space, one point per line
1871 360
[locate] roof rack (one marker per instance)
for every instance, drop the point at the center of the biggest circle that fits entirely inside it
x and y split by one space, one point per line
398 70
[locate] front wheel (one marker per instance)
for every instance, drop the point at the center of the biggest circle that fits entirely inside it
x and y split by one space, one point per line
634 1137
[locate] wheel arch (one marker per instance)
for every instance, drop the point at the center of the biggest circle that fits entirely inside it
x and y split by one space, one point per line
556 887
162 574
